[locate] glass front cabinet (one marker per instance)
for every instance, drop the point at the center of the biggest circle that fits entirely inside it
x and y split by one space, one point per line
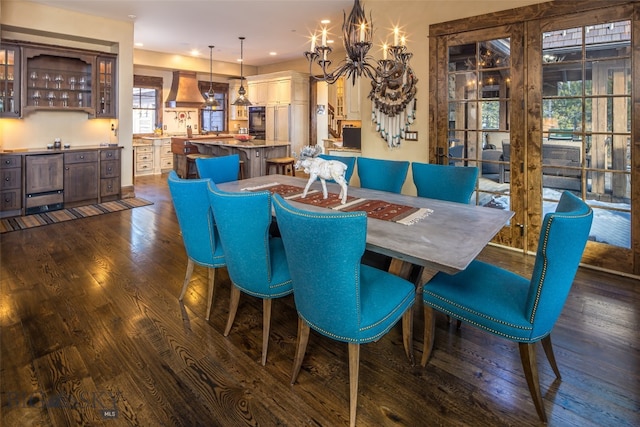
9 80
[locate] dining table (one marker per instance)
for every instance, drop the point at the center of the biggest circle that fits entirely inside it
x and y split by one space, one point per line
447 237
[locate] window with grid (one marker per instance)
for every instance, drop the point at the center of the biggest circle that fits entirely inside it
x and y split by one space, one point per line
147 112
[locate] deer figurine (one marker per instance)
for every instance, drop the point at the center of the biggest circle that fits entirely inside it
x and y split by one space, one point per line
319 168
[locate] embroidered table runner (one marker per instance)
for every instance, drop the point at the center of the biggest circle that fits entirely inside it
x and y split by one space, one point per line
377 209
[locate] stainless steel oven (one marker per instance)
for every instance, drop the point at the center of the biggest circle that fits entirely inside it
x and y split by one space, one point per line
258 122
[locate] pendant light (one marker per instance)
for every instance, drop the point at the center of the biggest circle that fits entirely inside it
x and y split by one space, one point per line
210 102
242 100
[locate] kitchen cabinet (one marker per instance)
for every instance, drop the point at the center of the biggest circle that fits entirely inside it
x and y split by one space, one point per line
279 91
80 177
10 186
278 118
44 182
9 80
105 89
143 155
68 79
258 92
166 156
345 97
109 174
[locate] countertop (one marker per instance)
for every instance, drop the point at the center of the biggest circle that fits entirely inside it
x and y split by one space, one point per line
45 150
256 143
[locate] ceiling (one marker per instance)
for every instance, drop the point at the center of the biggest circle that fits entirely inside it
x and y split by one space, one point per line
174 26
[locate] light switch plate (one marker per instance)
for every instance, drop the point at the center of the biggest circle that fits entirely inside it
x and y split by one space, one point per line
411 136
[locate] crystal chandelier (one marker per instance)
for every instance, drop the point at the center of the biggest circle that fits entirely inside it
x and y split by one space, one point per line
242 100
393 81
211 103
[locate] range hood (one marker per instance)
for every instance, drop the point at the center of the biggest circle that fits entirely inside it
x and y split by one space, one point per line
184 91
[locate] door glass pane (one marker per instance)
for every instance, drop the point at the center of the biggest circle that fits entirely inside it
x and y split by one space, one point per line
586 146
479 94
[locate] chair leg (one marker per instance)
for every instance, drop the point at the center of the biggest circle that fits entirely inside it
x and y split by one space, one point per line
548 350
301 348
528 357
212 278
429 332
266 326
407 334
234 299
354 367
187 278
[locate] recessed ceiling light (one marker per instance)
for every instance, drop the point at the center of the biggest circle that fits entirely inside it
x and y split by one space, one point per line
329 41
139 44
132 16
325 21
273 53
194 52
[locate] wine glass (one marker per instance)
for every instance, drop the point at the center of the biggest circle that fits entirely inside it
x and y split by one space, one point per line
36 97
65 99
80 100
46 79
51 97
59 79
82 82
72 83
33 76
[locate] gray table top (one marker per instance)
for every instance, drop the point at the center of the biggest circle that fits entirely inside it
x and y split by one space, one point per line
448 239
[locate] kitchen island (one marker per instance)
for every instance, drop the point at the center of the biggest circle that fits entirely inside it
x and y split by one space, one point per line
252 153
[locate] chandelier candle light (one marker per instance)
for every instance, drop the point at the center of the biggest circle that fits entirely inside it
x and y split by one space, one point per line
393 81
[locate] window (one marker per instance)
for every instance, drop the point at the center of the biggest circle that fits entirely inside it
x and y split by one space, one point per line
214 120
147 114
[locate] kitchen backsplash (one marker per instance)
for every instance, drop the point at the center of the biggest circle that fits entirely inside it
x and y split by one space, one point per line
176 120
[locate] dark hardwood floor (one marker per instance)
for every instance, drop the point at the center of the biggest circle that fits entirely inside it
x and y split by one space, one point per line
92 333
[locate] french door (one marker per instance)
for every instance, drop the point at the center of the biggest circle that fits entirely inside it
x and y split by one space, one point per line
542 105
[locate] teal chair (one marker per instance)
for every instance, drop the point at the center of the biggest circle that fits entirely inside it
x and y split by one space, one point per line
199 235
443 182
511 306
384 175
255 261
349 161
219 169
336 295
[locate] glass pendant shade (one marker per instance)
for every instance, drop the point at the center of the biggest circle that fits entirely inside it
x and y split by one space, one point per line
242 100
211 103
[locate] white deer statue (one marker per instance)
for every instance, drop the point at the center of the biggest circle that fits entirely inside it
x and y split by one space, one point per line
319 168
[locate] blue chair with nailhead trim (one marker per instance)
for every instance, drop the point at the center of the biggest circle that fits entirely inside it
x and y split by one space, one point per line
511 306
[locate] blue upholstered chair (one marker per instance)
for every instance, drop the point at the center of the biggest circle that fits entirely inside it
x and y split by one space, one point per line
191 203
335 294
255 261
442 182
511 306
219 169
349 161
385 175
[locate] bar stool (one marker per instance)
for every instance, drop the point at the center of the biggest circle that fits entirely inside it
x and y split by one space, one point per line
281 164
192 171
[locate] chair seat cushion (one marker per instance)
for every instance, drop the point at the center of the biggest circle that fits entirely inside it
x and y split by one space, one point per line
494 299
384 298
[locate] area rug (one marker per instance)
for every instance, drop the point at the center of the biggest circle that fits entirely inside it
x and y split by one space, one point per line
378 209
53 217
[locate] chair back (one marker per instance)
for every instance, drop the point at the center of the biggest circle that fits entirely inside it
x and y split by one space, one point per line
384 175
443 182
349 161
191 203
219 169
243 220
562 240
323 252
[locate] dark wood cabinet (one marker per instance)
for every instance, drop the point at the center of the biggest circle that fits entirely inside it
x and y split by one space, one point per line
65 79
11 185
109 174
80 177
9 80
